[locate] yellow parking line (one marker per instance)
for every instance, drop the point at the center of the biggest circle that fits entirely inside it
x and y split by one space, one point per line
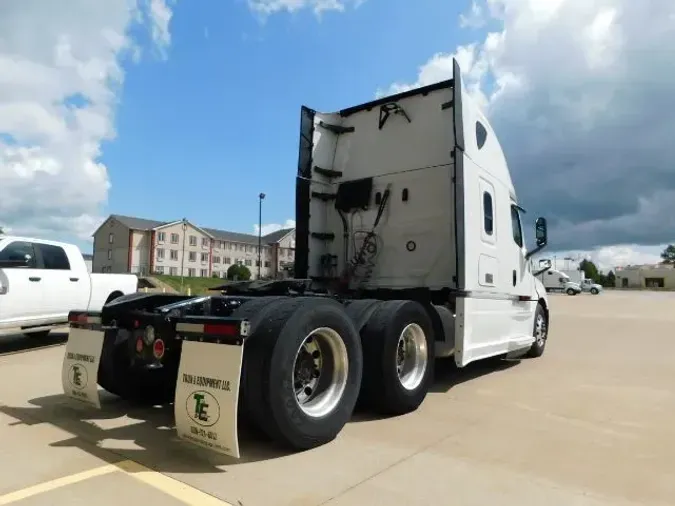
50 485
176 489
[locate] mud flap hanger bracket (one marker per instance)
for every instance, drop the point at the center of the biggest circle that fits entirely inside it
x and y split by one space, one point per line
391 108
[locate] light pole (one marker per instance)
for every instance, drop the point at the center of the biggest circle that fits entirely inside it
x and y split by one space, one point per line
260 199
182 258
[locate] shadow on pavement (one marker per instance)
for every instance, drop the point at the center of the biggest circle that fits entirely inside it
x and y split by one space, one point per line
14 343
139 433
446 376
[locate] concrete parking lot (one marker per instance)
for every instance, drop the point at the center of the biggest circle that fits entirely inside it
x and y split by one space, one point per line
589 423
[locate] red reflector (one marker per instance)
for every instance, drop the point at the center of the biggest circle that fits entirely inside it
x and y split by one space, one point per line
158 348
139 345
137 324
221 329
77 318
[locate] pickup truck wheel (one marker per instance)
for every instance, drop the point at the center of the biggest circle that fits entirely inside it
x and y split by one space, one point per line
398 357
116 376
594 291
540 333
304 370
41 334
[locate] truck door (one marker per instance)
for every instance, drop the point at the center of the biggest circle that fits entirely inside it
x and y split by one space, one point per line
21 288
522 281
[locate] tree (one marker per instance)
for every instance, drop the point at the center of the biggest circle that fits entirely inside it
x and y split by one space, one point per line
610 279
668 254
590 270
238 272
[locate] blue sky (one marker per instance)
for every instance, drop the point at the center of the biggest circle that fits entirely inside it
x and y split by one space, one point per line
202 133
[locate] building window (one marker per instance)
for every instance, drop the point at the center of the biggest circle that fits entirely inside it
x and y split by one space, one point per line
193 240
488 216
205 273
173 254
111 238
216 260
161 236
257 263
192 257
191 272
159 269
517 230
205 242
248 263
174 238
227 260
205 257
239 261
229 246
173 271
160 254
109 254
267 263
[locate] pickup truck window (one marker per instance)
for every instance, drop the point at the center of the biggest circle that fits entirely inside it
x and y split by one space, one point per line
54 257
20 250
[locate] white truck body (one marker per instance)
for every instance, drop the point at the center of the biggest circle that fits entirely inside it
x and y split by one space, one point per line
557 281
452 221
41 281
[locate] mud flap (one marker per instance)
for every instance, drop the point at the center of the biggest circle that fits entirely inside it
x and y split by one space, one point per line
207 394
79 373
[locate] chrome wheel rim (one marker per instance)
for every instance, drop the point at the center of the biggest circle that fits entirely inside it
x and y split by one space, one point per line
540 330
412 356
320 372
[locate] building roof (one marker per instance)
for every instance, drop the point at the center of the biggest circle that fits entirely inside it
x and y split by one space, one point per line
222 235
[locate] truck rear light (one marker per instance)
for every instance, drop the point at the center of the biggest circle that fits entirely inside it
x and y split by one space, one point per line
221 329
139 345
158 349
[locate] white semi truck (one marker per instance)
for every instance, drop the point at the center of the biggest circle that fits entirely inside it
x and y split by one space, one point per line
409 247
557 281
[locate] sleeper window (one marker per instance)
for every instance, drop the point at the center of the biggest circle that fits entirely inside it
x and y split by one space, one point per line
517 230
488 216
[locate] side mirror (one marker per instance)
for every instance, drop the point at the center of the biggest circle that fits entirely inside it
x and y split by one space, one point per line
541 232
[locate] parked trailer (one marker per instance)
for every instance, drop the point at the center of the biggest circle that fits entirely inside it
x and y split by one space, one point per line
409 247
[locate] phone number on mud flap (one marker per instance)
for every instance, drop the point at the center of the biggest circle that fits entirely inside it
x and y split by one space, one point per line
207 444
79 395
209 434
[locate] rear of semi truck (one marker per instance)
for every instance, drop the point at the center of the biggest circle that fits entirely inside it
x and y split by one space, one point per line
409 248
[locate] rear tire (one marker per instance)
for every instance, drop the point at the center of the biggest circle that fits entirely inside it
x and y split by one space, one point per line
397 330
594 291
274 353
540 333
571 292
42 334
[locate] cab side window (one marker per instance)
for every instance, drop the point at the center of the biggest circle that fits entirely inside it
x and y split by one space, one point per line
517 230
488 216
54 257
20 251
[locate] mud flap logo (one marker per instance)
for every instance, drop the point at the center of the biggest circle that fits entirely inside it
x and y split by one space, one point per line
78 376
203 408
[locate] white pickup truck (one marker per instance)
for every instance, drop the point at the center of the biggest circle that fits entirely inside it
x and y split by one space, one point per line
42 281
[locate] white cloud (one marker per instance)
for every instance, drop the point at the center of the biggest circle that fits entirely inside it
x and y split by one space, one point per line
475 17
266 7
580 93
273 227
60 73
609 258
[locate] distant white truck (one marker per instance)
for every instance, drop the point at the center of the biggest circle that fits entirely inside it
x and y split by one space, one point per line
587 285
557 281
42 281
